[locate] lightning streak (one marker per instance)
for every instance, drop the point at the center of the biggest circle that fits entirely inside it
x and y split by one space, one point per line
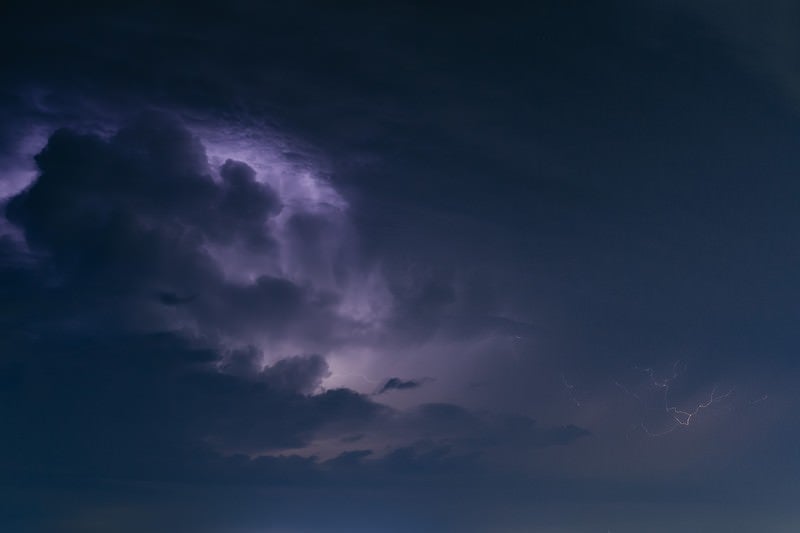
680 417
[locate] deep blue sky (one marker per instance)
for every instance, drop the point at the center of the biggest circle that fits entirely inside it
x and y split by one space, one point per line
403 267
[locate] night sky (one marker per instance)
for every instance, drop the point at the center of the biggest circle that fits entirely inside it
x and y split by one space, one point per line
400 267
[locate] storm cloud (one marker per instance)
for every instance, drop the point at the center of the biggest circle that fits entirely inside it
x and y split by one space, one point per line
117 228
398 267
399 384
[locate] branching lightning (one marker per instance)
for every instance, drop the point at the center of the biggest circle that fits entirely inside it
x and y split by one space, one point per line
680 417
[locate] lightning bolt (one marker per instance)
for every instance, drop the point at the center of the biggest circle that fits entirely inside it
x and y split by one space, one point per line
680 417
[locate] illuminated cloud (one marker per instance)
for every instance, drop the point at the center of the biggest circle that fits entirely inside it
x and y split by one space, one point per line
304 267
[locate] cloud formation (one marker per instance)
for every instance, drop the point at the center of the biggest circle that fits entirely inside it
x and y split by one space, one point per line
399 384
123 324
237 298
142 212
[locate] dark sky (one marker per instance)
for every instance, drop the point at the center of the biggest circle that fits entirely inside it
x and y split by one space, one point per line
400 267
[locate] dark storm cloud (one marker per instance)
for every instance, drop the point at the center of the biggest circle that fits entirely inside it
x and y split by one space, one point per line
300 373
111 220
136 213
162 411
303 373
150 177
554 196
108 223
157 405
399 384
